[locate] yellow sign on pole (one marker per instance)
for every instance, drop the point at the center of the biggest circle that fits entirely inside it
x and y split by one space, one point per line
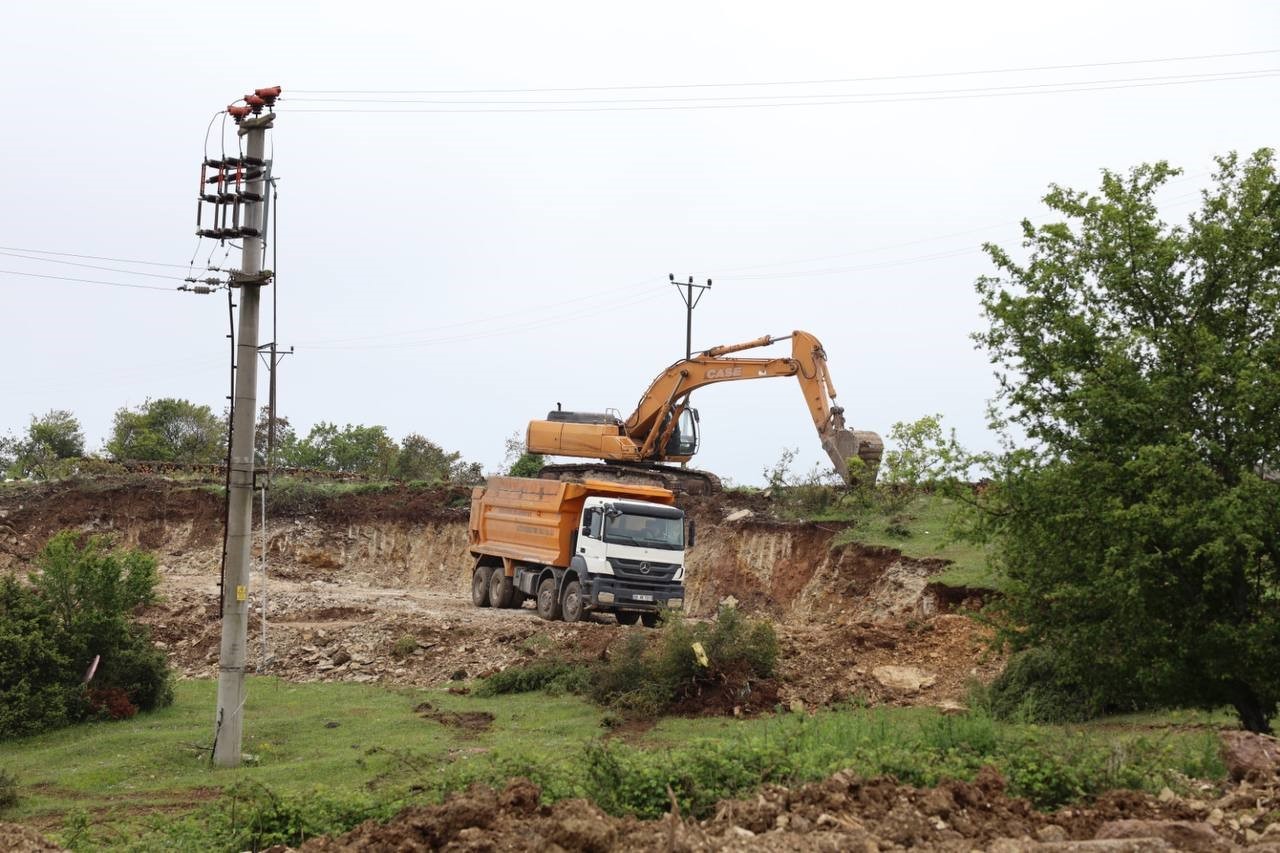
240 593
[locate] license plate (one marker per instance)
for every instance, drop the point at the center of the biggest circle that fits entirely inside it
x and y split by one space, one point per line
642 597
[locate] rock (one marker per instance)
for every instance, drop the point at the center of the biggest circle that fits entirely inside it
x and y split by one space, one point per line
1250 756
909 679
1215 817
1052 833
739 515
1167 795
341 656
1182 834
951 708
797 706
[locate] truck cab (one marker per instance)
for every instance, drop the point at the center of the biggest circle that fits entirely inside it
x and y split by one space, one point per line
629 556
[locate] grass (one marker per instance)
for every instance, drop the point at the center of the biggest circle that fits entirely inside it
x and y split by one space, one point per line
143 784
922 530
120 773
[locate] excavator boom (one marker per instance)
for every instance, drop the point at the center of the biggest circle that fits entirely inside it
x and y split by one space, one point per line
655 431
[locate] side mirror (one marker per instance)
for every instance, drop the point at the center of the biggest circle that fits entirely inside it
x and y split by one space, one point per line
693 533
586 530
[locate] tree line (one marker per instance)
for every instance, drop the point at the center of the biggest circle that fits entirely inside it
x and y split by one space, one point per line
176 430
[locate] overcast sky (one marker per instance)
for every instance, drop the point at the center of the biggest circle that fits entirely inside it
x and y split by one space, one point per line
457 270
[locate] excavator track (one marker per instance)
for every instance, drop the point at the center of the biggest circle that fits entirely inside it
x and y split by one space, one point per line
685 481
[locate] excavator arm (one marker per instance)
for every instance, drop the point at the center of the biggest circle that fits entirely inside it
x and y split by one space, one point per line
651 424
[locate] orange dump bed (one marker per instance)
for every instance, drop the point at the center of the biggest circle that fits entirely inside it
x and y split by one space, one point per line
533 521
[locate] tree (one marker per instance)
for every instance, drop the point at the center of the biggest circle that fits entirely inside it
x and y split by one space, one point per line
920 456
49 438
353 449
518 461
168 430
1140 526
285 439
423 459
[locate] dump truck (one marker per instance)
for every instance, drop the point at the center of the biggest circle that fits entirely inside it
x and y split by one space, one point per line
578 548
664 427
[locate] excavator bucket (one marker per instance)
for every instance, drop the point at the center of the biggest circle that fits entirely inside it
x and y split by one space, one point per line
844 444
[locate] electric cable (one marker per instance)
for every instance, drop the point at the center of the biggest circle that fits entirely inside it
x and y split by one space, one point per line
90 257
870 79
90 281
90 266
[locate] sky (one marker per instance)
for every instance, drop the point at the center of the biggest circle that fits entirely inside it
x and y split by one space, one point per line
457 264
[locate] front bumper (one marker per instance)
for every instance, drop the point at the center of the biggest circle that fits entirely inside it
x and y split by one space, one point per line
608 593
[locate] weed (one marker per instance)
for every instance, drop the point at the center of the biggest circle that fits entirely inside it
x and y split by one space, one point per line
404 646
555 676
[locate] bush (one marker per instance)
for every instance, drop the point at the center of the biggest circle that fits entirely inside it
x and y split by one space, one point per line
1036 688
77 609
553 676
645 679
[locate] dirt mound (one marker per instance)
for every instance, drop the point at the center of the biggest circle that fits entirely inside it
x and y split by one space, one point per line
16 838
843 812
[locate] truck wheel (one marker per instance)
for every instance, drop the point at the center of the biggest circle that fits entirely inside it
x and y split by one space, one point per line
649 620
499 589
626 617
548 602
571 606
480 586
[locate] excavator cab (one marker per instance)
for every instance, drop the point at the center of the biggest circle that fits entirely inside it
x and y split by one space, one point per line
684 438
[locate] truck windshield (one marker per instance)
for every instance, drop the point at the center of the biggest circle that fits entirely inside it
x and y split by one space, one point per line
645 531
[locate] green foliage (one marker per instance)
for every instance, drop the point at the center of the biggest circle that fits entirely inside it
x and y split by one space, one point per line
554 676
404 646
77 608
813 494
286 439
1036 687
920 456
50 438
528 465
645 679
168 430
1139 533
252 816
423 459
353 449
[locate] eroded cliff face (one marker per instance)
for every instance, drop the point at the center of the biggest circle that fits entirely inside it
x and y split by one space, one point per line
416 540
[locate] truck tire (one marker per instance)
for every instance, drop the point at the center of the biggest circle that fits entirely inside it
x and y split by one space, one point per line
548 601
627 617
480 586
649 620
500 590
571 606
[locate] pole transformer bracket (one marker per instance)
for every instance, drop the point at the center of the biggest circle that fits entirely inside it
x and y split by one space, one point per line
257 279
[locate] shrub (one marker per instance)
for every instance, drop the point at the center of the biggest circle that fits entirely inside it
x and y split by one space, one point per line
554 676
404 646
75 609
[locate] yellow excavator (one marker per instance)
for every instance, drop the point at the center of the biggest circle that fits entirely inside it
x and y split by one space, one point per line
664 427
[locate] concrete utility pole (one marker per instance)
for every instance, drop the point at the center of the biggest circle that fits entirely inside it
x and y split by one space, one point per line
690 302
229 723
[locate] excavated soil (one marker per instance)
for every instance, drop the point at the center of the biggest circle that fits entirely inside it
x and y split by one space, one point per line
374 587
843 812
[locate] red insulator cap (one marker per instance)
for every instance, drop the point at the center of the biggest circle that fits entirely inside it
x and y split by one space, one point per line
238 113
268 94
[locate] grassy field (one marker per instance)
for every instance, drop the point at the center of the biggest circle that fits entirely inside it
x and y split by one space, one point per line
326 756
923 530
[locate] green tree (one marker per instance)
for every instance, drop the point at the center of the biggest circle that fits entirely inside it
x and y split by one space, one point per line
49 438
1140 524
423 459
353 449
518 461
168 430
921 455
285 439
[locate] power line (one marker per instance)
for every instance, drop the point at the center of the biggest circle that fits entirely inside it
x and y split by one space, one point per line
90 281
89 266
1252 75
1207 76
870 79
91 257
